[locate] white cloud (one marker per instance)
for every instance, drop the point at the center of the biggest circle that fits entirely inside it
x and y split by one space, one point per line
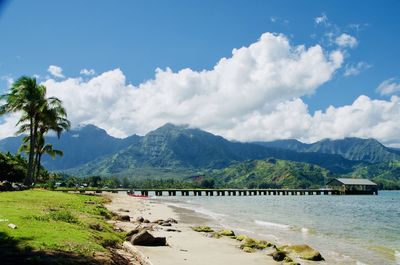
7 126
346 40
255 80
253 95
323 19
9 79
87 72
365 118
55 71
389 86
356 69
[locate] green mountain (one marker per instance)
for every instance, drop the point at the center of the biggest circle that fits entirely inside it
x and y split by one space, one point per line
386 174
355 149
181 148
271 173
80 146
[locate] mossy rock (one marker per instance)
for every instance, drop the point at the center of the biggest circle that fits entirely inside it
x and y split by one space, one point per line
241 237
205 229
305 252
293 263
248 250
226 232
287 259
254 243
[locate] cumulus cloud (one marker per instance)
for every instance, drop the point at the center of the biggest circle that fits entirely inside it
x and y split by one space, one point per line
255 94
364 118
253 81
87 72
55 71
389 86
356 69
346 40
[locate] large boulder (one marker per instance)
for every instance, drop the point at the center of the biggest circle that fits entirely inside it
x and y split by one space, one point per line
144 238
305 252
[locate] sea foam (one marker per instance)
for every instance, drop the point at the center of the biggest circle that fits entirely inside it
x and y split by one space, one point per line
272 225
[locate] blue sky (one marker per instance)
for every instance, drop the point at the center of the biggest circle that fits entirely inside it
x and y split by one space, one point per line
139 36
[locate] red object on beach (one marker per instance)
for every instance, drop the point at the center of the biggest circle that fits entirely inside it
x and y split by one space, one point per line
138 196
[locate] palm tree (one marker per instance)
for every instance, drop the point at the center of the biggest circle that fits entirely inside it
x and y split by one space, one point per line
39 116
26 96
52 117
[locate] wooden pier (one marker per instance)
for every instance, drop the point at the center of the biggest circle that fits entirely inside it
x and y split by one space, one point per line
233 192
216 192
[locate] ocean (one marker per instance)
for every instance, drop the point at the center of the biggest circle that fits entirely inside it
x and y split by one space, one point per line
345 229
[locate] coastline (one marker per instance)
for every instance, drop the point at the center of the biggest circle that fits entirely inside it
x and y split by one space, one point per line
187 246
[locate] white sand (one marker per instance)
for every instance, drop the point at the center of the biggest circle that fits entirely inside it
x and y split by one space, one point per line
185 247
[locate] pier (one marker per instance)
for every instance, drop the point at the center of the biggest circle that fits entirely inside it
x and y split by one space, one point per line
218 192
232 192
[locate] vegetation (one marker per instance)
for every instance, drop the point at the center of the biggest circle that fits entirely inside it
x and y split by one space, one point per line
78 228
12 168
39 115
386 175
272 173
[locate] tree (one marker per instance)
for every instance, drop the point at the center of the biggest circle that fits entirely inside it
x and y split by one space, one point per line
26 96
39 115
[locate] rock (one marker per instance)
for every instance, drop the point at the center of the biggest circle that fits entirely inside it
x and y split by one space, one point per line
226 232
172 230
248 250
123 210
132 233
206 229
146 221
124 218
278 255
144 238
12 226
165 224
305 252
159 221
5 186
254 243
241 237
140 219
172 220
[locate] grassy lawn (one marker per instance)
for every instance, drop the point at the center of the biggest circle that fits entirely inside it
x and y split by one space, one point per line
53 227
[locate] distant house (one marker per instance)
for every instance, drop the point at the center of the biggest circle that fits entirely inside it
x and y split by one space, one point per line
353 186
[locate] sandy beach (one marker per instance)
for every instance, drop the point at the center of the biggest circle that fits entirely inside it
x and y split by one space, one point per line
186 246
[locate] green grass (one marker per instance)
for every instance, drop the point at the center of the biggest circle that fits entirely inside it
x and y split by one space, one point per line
55 222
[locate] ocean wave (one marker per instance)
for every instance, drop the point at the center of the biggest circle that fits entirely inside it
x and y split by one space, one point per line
272 225
397 256
197 209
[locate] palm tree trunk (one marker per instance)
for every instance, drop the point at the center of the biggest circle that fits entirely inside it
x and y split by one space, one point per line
28 179
38 164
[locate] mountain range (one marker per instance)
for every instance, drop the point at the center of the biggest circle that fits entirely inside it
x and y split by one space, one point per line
170 149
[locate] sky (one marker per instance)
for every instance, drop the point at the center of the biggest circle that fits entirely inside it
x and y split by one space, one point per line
246 70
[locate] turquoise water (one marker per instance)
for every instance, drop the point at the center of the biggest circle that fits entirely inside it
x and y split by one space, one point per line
345 229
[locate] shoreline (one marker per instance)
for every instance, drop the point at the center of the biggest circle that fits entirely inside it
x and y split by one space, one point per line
186 246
